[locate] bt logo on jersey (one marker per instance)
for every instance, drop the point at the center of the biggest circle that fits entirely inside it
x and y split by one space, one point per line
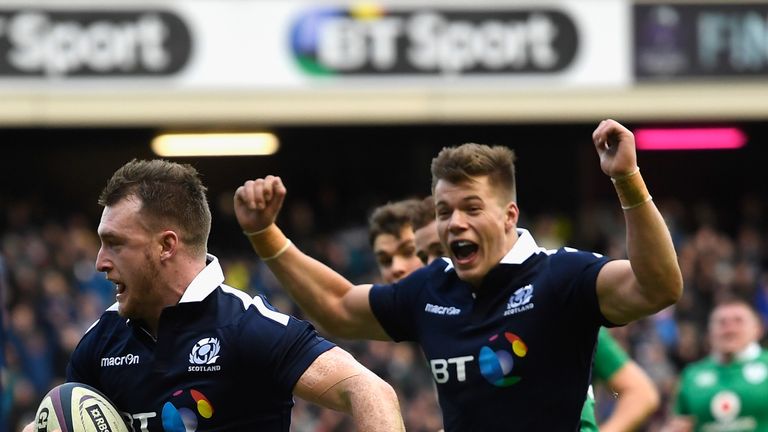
178 418
497 364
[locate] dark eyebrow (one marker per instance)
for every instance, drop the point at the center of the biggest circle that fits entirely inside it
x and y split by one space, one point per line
465 199
109 236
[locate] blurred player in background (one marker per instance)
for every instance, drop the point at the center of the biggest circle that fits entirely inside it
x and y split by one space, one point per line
508 329
424 222
391 237
181 348
637 396
727 391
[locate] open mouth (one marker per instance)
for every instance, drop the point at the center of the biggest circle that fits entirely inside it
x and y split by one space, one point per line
119 288
463 249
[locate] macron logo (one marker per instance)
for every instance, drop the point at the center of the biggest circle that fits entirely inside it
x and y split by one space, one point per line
128 359
441 310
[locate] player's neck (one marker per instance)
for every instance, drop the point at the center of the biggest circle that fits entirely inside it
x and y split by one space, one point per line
749 352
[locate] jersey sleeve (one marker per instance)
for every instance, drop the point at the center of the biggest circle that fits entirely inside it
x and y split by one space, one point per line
393 305
576 271
680 406
82 366
609 356
279 346
77 368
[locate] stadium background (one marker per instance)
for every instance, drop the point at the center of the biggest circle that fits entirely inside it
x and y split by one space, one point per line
360 130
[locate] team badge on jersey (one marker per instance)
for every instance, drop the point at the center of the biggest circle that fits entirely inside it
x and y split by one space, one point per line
520 300
204 355
725 406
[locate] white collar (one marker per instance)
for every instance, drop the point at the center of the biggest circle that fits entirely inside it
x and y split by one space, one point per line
205 282
524 248
751 352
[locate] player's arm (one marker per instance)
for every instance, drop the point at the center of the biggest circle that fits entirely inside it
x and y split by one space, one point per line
638 398
336 380
650 280
678 424
681 418
329 300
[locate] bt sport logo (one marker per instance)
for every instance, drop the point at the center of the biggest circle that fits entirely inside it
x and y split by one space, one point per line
364 39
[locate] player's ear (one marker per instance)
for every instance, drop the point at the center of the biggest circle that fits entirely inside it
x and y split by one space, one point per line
169 244
512 215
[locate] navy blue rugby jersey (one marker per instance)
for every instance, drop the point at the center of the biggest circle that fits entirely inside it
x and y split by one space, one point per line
515 354
222 361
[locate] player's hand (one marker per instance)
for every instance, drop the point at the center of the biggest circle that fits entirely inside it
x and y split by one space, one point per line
31 428
258 202
678 424
615 144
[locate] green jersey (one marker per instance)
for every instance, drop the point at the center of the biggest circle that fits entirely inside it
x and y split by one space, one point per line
730 397
609 358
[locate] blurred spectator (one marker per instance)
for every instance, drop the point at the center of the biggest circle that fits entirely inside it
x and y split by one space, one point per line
728 390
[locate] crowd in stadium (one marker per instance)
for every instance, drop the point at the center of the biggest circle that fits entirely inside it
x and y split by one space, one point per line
53 293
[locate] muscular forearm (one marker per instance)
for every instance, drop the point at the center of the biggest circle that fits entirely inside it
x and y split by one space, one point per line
326 297
652 256
638 398
630 411
651 280
336 380
373 404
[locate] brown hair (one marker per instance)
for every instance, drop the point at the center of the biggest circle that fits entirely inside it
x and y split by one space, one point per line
170 193
424 213
390 218
732 299
462 163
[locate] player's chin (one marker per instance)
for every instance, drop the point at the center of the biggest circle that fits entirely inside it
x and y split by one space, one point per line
123 308
471 275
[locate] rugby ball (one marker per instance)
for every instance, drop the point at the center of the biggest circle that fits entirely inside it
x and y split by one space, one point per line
76 407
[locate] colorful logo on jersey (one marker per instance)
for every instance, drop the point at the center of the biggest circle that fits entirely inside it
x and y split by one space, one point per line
177 416
497 361
205 352
725 406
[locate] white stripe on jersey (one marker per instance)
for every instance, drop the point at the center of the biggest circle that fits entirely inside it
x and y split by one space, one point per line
269 313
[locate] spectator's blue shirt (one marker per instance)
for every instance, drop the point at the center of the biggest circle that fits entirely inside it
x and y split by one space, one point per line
514 354
222 361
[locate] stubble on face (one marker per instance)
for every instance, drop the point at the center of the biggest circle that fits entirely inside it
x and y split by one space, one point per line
142 299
